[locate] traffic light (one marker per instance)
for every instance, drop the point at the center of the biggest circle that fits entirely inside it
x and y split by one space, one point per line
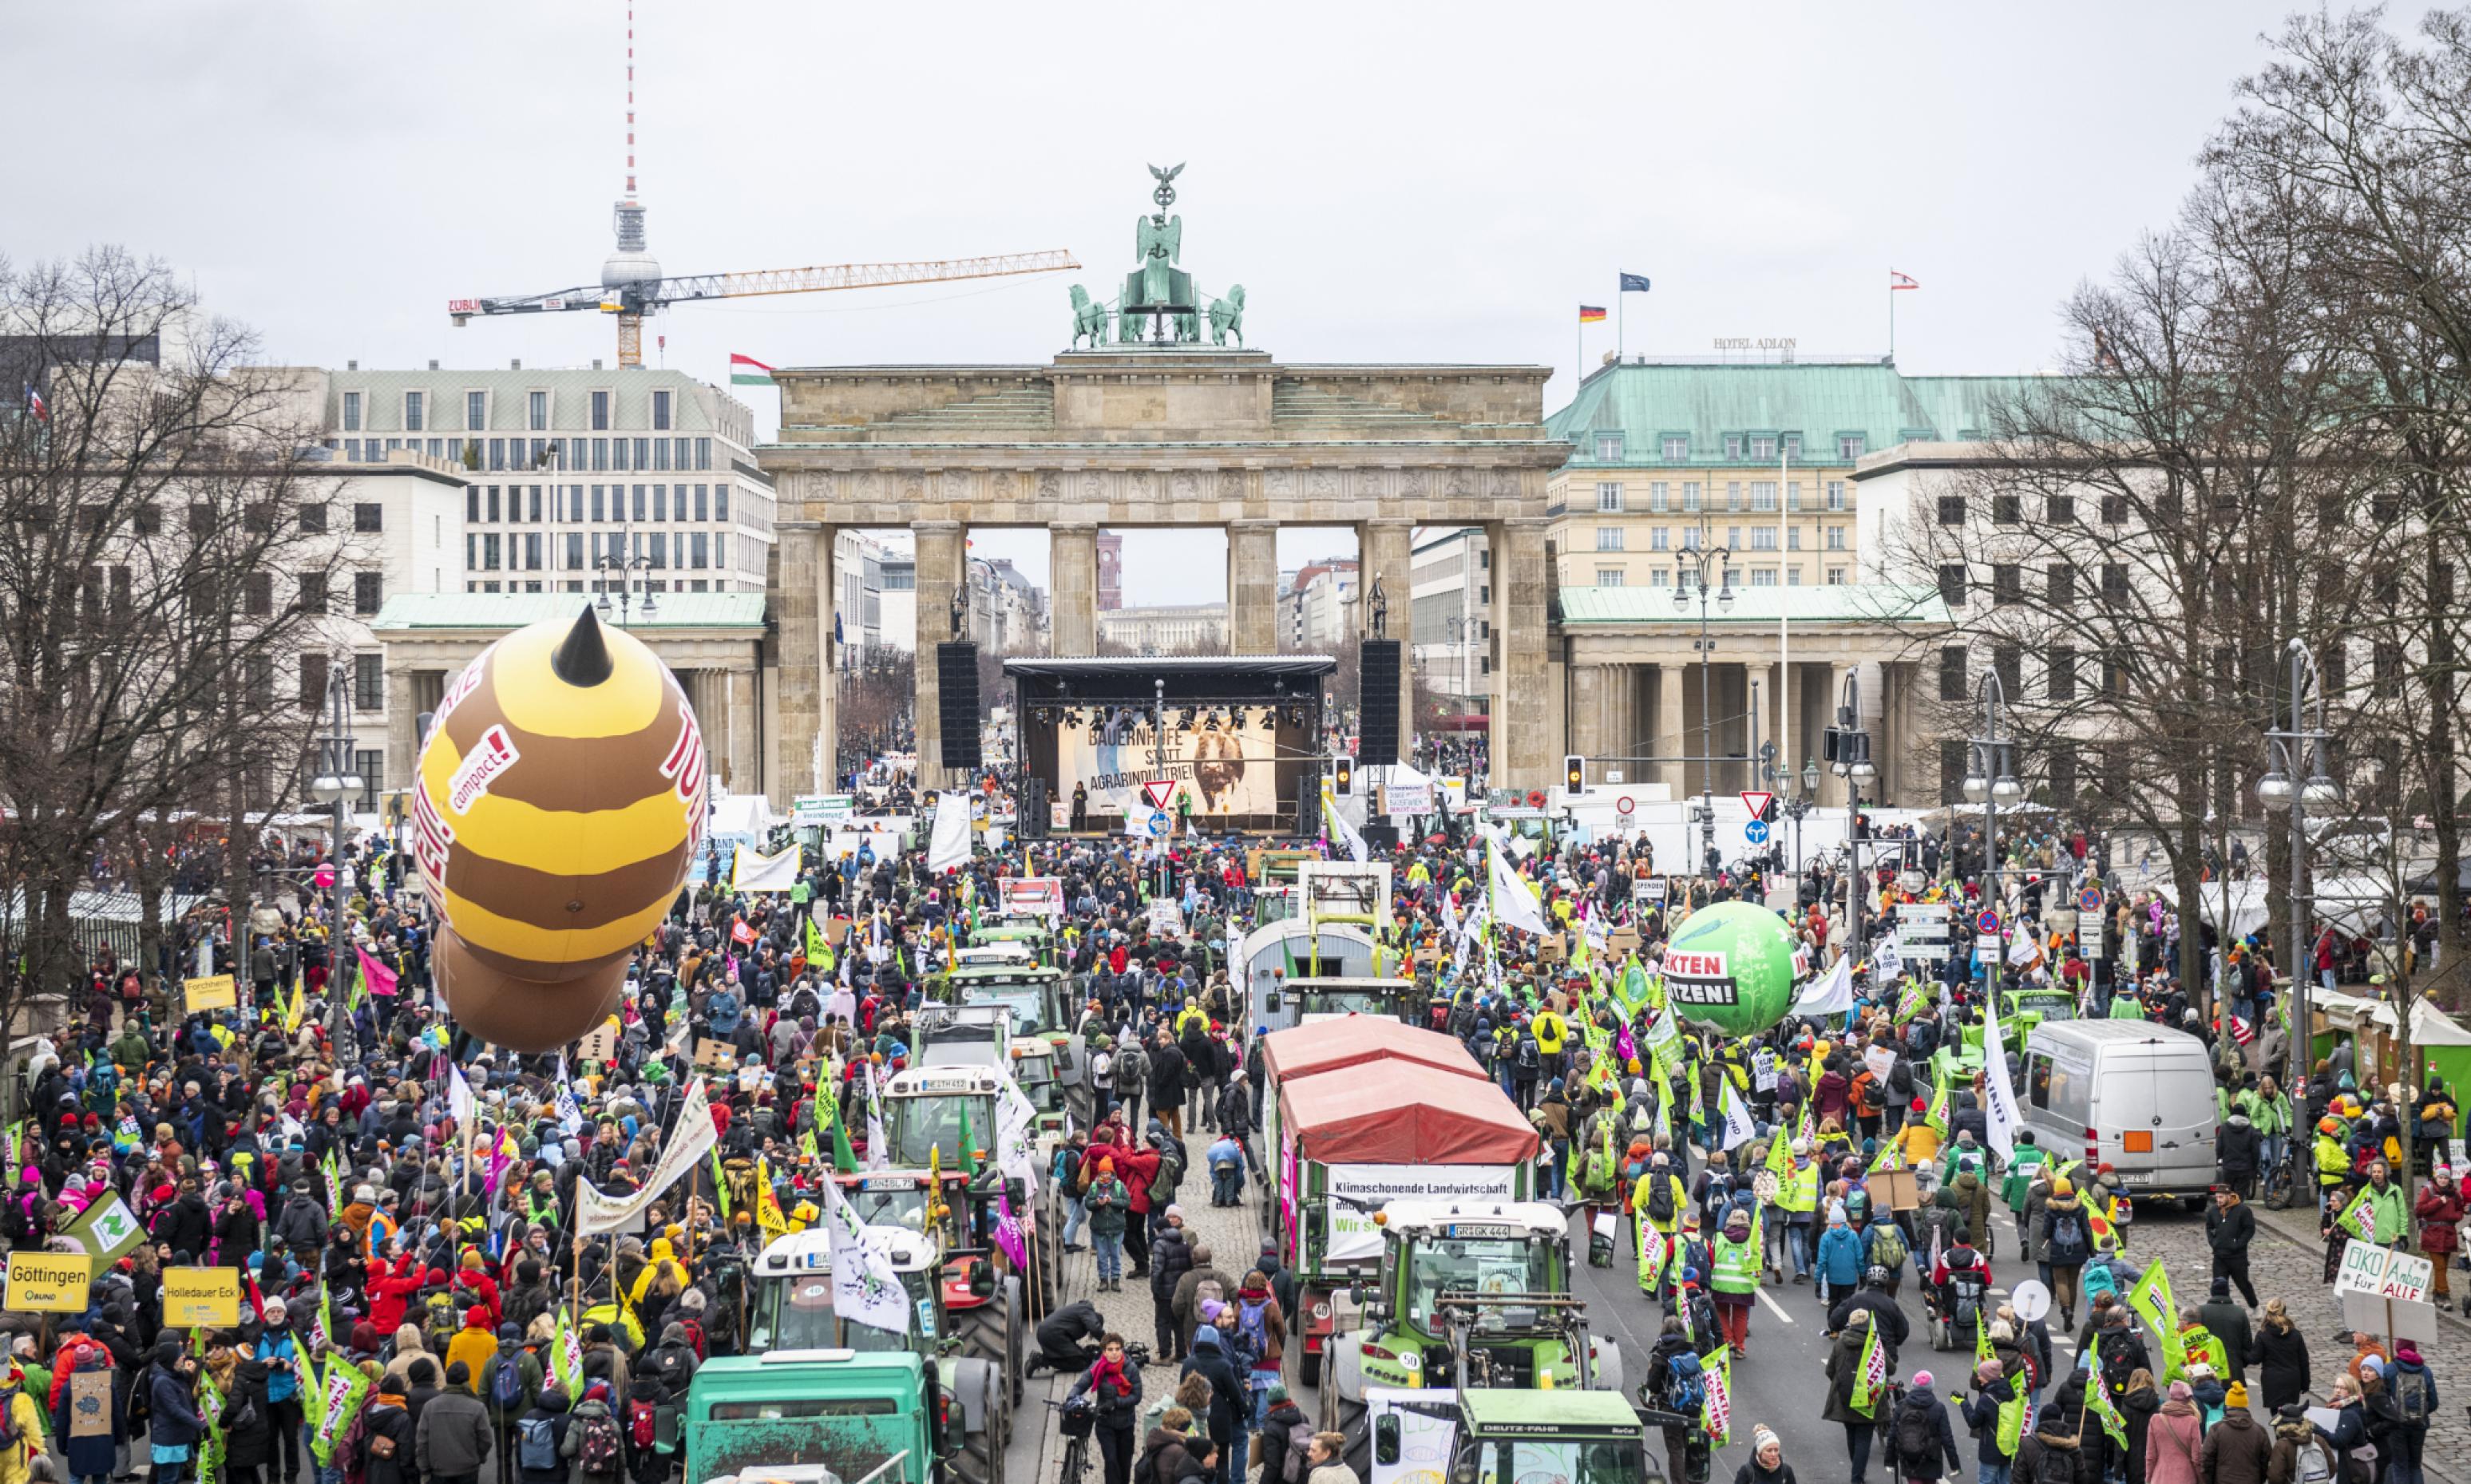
1771 814
1575 774
1343 776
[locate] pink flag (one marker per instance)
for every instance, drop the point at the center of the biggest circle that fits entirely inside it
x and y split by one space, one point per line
1008 1232
1623 1045
376 976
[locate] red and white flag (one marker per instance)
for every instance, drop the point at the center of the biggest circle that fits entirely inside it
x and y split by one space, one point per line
1897 280
2240 1031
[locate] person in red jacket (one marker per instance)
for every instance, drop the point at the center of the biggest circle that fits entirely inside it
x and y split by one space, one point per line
2440 1218
391 1288
1136 1167
473 1278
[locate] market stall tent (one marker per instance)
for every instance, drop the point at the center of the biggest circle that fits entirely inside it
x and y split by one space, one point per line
1327 1046
1355 1119
2439 1046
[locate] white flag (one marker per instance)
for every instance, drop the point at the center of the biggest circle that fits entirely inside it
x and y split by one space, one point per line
866 1287
596 1213
947 844
1513 903
1887 965
879 1149
2024 950
570 1116
1831 994
1739 1130
1451 917
458 1100
1337 823
2000 1108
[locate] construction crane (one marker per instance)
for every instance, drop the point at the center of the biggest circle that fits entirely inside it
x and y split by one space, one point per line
631 284
632 299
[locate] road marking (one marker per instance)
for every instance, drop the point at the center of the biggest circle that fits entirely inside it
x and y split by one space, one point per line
1774 1306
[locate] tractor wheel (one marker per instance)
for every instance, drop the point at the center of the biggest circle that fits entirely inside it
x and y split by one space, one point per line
1355 1425
1309 1369
979 1459
991 1332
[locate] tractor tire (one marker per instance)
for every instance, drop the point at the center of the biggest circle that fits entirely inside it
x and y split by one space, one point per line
1309 1369
1355 1425
979 1459
991 1332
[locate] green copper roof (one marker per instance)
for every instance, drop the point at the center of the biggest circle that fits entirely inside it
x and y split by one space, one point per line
513 610
1819 401
1844 602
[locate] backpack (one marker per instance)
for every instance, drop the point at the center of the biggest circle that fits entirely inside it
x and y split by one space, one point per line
1888 1247
506 1387
599 1451
1659 1198
1299 1441
1253 1322
539 1447
2411 1395
640 1417
243 1418
2067 1234
2310 1465
8 1435
1917 1440
1206 1291
1685 1391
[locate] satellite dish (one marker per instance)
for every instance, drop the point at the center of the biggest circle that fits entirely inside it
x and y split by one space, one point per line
2031 1300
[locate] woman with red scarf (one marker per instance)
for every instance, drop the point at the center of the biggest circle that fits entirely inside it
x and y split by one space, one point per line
1115 1391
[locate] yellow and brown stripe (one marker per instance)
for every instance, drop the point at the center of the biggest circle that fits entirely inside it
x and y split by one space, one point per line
576 850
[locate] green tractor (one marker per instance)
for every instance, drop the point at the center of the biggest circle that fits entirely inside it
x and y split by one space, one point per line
1475 1290
815 1388
1488 1436
945 1117
1045 1041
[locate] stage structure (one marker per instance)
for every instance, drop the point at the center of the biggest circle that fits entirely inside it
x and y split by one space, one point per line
1240 736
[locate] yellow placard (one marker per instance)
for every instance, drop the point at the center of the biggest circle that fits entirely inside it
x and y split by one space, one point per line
194 1296
214 992
52 1282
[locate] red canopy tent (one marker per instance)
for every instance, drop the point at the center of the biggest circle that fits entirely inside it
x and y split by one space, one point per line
1326 1046
1355 1120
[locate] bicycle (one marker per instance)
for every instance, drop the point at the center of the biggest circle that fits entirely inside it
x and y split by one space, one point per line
1078 1418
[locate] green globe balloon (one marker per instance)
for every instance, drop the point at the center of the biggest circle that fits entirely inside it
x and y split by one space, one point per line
1733 968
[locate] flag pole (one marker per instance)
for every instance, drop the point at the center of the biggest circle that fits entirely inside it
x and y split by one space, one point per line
1621 319
1891 320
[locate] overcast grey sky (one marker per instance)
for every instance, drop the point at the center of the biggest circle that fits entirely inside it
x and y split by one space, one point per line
1435 182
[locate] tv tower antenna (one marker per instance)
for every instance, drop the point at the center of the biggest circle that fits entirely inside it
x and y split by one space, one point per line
633 263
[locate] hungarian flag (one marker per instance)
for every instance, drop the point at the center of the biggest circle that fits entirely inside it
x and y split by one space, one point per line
747 372
1897 280
1592 314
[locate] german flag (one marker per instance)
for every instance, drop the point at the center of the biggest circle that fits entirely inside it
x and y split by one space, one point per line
1592 314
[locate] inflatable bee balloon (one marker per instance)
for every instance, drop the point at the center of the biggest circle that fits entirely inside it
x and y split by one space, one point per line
561 799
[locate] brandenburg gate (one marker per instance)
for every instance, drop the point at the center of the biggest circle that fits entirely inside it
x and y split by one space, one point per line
1142 423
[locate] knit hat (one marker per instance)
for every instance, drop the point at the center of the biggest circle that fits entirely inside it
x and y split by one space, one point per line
2179 1391
1921 1378
2237 1396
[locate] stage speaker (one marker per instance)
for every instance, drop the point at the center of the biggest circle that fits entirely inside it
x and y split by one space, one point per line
1032 823
1380 837
1377 701
956 710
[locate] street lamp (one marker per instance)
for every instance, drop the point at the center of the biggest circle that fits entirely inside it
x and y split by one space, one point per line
2288 752
1847 747
625 567
1723 557
1991 780
1797 794
334 786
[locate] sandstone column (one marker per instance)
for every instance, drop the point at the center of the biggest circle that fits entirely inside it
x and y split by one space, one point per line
940 560
1384 551
1073 559
1522 710
805 627
1253 587
1670 742
741 777
1587 712
403 728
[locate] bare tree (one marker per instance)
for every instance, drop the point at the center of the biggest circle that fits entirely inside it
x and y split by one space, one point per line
152 565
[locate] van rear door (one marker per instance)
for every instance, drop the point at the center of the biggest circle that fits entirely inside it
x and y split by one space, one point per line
2154 1111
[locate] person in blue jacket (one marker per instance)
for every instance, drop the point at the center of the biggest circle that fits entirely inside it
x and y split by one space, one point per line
1840 1261
176 1426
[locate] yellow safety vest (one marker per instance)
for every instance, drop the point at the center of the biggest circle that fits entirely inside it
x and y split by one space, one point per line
1802 1192
1737 1265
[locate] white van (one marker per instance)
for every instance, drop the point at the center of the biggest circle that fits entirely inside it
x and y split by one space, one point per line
2137 1096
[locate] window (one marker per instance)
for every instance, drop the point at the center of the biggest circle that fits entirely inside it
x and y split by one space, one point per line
1951 584
643 454
1793 496
1732 494
257 595
599 455
412 412
2115 673
1836 494
2060 581
2009 660
531 551
1677 448
1659 577
1690 496
1763 450
1690 538
1657 538
659 502
1609 538
1793 538
2114 509
1835 577
369 681
1951 509
573 551
1609 498
201 520
661 411
489 552
1953 761
1732 448
1951 675
257 518
536 404
2063 673
1763 495
596 506
148 518
1849 446
498 454
475 412
314 670
493 502
2007 582
702 547
1763 576
2385 670
1609 577
1793 445
703 452
352 450
313 520
640 507
535 502
1732 539
2060 509
1793 577
369 592
1763 538
702 509
2114 582
1836 538
600 413
313 592
2007 509
370 765
2064 774
660 453
351 412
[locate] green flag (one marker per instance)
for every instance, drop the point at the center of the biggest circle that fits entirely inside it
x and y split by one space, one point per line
109 1230
2151 1298
2360 1220
341 1392
1871 1375
1935 1117
2097 1401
